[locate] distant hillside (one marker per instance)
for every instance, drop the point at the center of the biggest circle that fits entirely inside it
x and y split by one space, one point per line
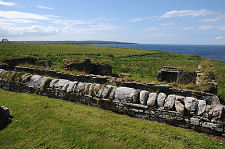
73 42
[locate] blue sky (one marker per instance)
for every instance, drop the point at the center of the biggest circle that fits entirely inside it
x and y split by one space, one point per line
140 21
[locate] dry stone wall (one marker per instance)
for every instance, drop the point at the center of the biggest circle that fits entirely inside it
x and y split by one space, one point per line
185 111
90 78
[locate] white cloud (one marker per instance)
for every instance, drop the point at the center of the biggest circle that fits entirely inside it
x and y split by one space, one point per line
167 24
136 19
23 15
26 30
221 28
220 37
187 28
183 13
206 27
44 7
69 22
143 19
21 25
7 3
215 19
151 28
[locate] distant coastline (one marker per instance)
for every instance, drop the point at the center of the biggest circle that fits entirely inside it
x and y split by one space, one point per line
74 42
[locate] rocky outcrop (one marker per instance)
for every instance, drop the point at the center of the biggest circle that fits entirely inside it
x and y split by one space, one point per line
184 111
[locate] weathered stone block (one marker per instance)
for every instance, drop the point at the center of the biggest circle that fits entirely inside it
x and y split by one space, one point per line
53 82
99 92
112 94
126 94
72 86
161 99
195 121
86 88
143 97
190 104
169 102
216 127
35 81
218 112
80 87
201 107
60 84
106 91
91 89
180 98
152 99
179 107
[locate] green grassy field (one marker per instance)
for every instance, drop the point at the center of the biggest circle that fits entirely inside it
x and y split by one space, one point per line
142 64
41 122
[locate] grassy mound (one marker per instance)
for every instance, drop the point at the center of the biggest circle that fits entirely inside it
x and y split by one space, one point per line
41 122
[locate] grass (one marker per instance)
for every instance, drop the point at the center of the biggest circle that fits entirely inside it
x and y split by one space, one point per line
41 122
143 65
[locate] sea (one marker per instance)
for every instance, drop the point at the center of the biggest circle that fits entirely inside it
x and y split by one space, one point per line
215 52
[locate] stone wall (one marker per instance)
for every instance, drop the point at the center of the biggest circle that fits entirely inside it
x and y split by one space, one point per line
171 74
89 78
209 86
89 67
10 63
184 111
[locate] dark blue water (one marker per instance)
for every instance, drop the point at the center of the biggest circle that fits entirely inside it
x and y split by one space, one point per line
215 52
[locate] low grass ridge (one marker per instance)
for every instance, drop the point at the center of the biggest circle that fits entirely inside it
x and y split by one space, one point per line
42 122
143 65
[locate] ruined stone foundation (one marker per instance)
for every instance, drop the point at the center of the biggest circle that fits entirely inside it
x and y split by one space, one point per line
185 111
